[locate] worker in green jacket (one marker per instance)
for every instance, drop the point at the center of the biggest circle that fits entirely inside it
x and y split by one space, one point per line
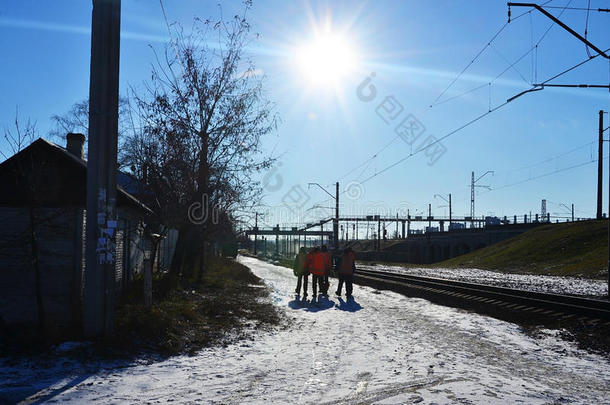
301 270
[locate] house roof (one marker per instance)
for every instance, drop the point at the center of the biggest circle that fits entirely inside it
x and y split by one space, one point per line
47 174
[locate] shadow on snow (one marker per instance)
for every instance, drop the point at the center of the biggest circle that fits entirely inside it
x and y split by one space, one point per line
322 303
350 305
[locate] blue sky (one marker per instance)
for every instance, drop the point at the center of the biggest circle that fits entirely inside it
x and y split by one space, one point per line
415 49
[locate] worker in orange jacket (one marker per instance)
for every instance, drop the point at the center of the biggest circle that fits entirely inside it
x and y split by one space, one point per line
346 269
317 268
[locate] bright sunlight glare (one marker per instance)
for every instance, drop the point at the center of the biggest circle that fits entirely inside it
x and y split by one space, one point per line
326 60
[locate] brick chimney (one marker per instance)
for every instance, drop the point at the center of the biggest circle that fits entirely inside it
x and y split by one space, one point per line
75 143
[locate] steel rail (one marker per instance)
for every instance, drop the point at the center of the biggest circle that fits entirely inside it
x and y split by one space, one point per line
591 308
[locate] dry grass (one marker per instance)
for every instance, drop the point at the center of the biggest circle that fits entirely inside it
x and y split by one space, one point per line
229 302
567 249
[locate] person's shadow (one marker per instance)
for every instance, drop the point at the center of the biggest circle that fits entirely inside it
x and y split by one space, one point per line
298 302
350 305
320 303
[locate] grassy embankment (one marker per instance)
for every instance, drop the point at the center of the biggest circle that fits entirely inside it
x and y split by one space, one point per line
566 249
228 303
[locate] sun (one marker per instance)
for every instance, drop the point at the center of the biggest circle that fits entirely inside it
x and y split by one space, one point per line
327 59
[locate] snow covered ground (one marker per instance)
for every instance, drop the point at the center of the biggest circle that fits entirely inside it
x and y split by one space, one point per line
382 348
549 284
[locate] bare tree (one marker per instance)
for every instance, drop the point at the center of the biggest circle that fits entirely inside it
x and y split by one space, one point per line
18 138
77 120
196 143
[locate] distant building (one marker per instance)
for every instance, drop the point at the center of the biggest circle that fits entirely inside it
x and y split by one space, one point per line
456 225
42 211
492 221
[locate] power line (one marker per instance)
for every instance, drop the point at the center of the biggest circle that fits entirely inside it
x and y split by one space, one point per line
472 121
587 9
510 65
435 142
552 157
576 166
481 52
587 28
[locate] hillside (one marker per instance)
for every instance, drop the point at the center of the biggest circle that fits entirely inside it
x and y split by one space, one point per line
566 249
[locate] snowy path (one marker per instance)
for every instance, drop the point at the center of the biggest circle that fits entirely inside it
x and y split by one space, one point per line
383 349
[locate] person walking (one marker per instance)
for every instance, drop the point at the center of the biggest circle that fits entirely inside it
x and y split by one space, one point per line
347 267
317 271
301 270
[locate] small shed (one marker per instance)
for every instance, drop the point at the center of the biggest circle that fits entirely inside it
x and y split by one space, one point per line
42 221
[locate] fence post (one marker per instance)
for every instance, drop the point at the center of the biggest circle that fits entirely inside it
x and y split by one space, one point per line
147 283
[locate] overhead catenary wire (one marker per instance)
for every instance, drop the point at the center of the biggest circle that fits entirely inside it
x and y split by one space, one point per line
588 8
487 44
549 159
481 116
563 169
587 28
467 124
533 49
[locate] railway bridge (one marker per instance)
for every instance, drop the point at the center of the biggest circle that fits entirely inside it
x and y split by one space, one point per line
438 246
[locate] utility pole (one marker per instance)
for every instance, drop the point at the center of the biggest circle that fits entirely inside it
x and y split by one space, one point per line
336 219
449 210
541 86
600 164
321 233
397 237
277 239
100 250
336 222
472 199
447 201
472 186
255 231
378 233
429 215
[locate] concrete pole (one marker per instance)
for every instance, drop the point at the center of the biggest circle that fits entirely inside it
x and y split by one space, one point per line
378 233
100 250
600 164
336 221
255 232
321 234
472 200
397 236
449 210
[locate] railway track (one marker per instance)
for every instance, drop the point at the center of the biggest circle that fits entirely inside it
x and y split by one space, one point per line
508 300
